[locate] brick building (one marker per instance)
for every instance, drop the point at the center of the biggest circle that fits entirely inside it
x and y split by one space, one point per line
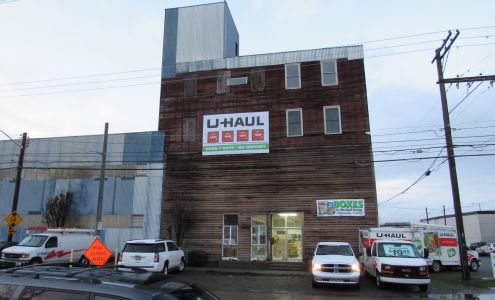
268 154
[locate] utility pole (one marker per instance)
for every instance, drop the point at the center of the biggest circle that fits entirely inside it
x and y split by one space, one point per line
427 219
444 217
99 208
18 180
439 54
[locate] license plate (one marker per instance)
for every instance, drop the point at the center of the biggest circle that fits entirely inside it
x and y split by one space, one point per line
17 264
406 270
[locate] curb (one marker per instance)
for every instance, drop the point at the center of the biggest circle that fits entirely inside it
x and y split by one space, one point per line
250 272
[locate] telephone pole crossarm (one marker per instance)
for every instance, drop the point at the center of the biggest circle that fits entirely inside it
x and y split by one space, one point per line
468 79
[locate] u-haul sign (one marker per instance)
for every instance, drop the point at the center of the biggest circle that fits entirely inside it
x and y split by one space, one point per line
240 133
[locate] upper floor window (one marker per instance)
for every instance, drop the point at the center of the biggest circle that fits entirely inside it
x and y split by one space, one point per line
191 85
293 76
189 129
329 72
333 123
294 122
237 81
257 80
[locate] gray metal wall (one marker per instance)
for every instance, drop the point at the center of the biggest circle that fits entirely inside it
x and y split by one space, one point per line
133 183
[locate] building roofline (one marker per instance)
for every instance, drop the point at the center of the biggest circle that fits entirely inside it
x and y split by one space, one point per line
196 5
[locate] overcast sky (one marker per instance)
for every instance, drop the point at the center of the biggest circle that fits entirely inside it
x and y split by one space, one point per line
67 67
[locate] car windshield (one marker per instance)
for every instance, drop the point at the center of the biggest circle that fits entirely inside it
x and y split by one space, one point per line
33 241
345 250
141 248
397 250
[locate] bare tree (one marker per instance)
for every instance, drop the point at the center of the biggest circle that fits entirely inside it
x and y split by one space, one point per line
182 219
58 210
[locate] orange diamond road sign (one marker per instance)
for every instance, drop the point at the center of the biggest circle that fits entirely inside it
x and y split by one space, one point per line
98 254
13 219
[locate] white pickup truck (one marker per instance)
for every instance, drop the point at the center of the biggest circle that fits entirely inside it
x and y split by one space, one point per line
396 261
335 263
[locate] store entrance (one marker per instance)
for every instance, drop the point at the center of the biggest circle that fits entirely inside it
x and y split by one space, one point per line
287 237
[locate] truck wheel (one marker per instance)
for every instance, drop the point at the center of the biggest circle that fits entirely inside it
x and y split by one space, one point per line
83 261
436 266
423 287
379 283
35 261
473 265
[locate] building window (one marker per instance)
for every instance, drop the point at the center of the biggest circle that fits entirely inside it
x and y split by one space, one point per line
258 237
230 230
329 73
333 124
294 122
189 129
257 80
293 76
191 85
237 81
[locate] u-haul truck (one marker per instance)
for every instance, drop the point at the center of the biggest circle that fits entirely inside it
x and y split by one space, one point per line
389 255
441 243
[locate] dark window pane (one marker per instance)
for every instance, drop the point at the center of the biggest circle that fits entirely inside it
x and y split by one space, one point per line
189 129
329 79
257 80
230 219
171 246
328 67
143 248
51 243
295 129
293 82
292 70
294 117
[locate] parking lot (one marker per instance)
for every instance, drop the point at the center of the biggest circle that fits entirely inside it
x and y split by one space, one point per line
261 285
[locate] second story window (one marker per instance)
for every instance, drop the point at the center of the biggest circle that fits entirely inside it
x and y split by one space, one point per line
294 122
333 123
329 72
293 76
189 129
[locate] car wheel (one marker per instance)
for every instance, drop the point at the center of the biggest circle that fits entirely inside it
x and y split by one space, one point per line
379 283
436 266
182 265
474 265
423 287
165 268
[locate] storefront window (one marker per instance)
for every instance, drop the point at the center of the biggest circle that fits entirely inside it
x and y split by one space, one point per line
258 237
230 231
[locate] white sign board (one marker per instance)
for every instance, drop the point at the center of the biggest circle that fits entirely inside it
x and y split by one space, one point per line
240 133
340 208
492 256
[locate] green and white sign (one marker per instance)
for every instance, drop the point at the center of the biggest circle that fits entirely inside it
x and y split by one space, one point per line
241 133
340 208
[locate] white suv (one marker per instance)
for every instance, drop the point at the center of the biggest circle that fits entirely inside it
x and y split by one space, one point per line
152 255
335 263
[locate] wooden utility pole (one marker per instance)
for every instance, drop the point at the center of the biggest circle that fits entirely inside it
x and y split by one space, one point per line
439 54
99 207
427 218
18 182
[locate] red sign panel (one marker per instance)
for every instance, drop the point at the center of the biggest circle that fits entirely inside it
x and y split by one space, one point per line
448 242
227 136
258 134
242 135
213 137
98 254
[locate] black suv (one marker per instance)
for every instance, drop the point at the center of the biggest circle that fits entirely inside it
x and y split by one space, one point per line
57 282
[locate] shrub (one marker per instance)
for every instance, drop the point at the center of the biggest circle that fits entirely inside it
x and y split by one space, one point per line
197 258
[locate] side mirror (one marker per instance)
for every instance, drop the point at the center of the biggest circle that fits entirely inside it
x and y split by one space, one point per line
426 253
368 251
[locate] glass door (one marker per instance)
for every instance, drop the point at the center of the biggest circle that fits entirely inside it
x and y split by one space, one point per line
287 237
279 245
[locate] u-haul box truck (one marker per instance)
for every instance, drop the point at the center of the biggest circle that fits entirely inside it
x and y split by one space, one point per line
441 243
389 255
49 246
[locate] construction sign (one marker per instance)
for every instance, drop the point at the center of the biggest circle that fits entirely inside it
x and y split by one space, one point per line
98 254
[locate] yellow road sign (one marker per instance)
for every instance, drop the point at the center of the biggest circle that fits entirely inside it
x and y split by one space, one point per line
13 219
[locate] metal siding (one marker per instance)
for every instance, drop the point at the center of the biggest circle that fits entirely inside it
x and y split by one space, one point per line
200 27
6 196
122 204
29 197
231 35
170 43
154 207
108 195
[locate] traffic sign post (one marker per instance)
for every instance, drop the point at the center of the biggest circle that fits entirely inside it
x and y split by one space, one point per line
98 254
11 230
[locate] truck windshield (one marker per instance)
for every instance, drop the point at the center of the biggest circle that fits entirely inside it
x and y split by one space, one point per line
33 241
334 250
397 250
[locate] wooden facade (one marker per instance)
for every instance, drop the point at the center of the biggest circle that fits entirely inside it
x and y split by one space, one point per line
295 173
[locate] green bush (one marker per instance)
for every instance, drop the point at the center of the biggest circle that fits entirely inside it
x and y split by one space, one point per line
197 258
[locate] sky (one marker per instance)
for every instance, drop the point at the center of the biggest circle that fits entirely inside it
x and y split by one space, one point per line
67 67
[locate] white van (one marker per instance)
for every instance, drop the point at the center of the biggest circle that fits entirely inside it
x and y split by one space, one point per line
51 246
